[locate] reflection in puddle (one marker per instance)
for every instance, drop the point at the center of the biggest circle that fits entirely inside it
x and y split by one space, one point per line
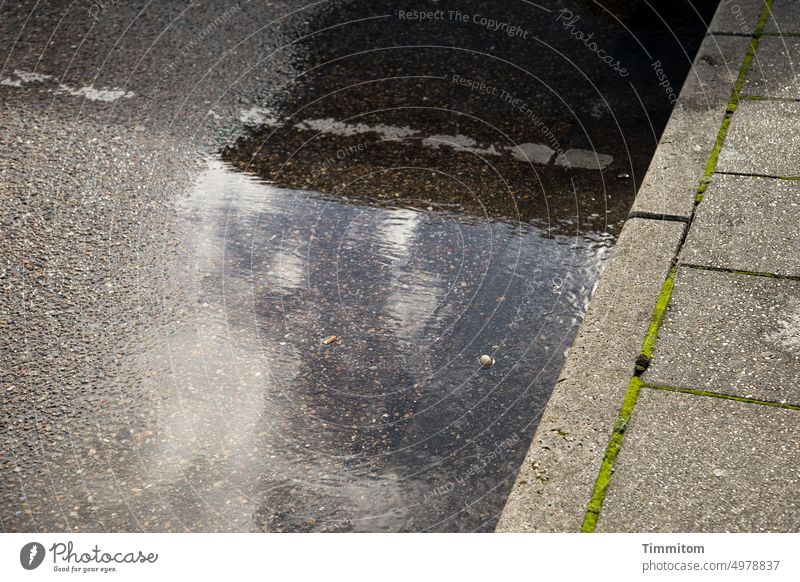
394 426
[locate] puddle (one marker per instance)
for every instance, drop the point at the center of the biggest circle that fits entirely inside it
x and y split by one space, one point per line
395 425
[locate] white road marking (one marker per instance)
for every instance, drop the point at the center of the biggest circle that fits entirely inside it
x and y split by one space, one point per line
525 152
107 94
90 92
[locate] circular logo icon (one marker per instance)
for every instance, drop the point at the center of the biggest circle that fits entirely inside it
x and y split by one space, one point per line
31 555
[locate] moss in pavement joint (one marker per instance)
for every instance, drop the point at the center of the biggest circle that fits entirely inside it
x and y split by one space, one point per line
723 131
740 272
614 446
658 314
762 18
701 189
723 396
781 34
621 425
737 88
763 98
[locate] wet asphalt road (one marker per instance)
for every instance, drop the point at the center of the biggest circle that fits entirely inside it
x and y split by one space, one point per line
196 195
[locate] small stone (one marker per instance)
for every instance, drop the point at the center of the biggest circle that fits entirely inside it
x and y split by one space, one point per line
623 176
642 363
486 360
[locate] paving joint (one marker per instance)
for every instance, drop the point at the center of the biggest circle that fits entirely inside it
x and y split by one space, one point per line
722 395
752 175
739 34
747 97
656 216
740 272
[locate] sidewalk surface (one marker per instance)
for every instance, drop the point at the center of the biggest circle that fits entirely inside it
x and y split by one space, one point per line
679 406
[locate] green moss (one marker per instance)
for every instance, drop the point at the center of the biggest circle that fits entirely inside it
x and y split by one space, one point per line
762 18
780 34
711 166
613 449
658 314
631 395
740 272
737 88
723 396
701 189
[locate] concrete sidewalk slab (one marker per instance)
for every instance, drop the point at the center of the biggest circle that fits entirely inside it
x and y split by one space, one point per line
747 224
736 17
785 17
731 333
775 70
558 474
763 139
671 182
698 463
